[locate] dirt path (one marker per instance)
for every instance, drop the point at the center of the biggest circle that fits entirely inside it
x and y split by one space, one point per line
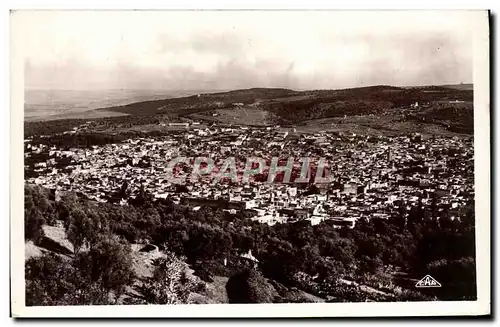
364 288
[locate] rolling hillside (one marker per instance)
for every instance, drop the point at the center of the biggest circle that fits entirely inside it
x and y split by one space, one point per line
285 106
445 107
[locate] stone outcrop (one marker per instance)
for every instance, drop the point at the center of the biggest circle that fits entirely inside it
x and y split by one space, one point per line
55 240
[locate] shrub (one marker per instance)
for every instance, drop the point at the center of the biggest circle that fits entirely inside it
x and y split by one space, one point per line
108 263
49 279
86 279
170 283
249 286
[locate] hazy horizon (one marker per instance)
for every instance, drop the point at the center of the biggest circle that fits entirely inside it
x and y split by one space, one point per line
226 50
227 90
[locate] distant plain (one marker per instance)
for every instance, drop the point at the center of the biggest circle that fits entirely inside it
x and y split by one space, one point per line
72 104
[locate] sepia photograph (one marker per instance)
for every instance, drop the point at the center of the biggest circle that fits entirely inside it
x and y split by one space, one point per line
313 163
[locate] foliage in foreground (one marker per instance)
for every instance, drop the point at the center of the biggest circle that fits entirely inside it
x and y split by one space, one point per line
97 276
171 283
418 243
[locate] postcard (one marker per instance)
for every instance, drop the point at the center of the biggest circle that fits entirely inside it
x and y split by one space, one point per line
231 163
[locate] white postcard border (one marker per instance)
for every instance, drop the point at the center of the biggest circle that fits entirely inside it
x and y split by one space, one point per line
482 182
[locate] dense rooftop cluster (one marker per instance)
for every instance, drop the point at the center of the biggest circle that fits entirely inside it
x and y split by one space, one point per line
371 177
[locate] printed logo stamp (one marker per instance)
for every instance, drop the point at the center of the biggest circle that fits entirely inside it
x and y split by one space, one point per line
428 281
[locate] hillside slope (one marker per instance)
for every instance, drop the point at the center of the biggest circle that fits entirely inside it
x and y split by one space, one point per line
441 107
282 106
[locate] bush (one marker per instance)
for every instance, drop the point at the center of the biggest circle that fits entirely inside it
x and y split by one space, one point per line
206 237
108 263
170 283
38 210
89 278
458 278
249 286
49 280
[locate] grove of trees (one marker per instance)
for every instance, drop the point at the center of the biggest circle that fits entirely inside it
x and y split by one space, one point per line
312 258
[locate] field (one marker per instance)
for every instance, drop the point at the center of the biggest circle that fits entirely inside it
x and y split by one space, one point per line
387 125
239 116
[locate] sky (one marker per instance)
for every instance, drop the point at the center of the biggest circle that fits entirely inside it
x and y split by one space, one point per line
221 50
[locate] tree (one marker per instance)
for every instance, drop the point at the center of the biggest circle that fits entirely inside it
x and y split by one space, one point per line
143 199
33 222
170 283
38 210
80 229
107 263
340 249
458 278
279 260
207 242
400 219
54 280
48 280
181 188
248 286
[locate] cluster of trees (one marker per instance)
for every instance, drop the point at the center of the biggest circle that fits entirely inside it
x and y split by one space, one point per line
191 104
284 101
79 140
457 117
249 286
297 111
357 101
51 127
33 128
89 139
415 242
96 276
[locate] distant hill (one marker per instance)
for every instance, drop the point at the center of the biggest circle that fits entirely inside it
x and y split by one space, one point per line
289 106
445 106
466 86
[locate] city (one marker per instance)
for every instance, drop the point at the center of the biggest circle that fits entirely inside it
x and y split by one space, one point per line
368 176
